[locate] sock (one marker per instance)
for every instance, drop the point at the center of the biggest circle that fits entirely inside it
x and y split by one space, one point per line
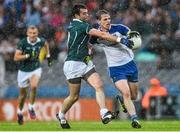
31 106
103 111
19 111
134 117
61 115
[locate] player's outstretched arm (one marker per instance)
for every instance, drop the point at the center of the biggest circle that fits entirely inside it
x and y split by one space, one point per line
48 56
104 35
46 45
18 56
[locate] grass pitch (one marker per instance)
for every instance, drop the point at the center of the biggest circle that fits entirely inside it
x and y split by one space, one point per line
169 125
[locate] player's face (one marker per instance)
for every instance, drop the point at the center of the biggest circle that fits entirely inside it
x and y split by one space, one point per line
32 34
83 15
105 21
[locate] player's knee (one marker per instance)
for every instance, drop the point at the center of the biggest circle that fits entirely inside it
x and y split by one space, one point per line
99 86
126 94
33 87
134 96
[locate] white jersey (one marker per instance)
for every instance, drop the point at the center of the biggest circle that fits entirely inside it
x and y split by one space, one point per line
118 54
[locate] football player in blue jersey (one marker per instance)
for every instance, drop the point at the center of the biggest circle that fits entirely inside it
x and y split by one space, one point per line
122 68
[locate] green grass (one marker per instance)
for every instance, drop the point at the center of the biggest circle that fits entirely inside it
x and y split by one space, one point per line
169 125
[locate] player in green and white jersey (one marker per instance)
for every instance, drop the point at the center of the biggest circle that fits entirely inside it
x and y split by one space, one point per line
29 73
78 64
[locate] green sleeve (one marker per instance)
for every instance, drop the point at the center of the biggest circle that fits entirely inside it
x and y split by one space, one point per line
86 27
42 41
19 46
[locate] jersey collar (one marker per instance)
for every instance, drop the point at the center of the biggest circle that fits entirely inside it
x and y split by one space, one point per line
77 20
38 40
101 29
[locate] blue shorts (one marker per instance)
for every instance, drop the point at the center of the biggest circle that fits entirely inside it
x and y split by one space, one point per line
128 72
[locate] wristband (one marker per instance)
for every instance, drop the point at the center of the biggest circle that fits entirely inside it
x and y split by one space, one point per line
27 56
48 55
118 39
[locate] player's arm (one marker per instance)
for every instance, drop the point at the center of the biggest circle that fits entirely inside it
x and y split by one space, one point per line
48 55
104 35
46 46
19 56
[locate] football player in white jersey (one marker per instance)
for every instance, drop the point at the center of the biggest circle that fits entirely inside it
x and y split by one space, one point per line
122 68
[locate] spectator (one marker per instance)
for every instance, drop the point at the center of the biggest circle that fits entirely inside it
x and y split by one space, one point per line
155 90
162 45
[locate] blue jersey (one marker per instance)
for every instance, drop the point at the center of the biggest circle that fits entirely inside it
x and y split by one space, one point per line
119 28
119 57
116 54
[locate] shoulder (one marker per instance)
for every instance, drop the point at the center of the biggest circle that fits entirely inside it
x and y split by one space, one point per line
22 41
119 26
122 29
85 24
42 39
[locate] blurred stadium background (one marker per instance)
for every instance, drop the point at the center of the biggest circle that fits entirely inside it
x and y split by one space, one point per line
158 57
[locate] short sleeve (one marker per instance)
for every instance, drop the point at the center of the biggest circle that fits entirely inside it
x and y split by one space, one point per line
86 27
19 46
42 41
93 39
123 29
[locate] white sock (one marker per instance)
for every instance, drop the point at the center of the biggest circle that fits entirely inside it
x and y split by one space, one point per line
31 106
19 111
61 115
103 111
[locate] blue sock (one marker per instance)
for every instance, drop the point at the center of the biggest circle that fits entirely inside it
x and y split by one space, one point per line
134 117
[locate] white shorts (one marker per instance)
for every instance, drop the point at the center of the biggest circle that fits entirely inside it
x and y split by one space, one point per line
75 69
23 77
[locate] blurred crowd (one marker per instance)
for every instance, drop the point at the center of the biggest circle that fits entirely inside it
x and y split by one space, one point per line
159 23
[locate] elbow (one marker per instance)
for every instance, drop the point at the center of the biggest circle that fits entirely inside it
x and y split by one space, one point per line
15 58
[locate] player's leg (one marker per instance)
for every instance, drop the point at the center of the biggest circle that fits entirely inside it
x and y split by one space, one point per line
95 81
121 101
34 82
123 86
74 88
73 71
134 89
23 84
133 85
21 101
134 92
72 98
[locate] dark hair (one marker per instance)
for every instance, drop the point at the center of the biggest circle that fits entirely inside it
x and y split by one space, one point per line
76 9
100 12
